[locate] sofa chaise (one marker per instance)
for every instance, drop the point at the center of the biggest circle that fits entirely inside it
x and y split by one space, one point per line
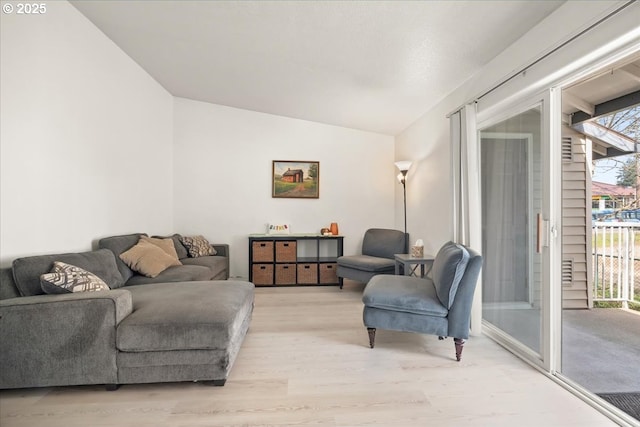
180 326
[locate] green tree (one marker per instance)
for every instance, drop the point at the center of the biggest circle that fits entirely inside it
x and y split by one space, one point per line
628 172
313 171
626 122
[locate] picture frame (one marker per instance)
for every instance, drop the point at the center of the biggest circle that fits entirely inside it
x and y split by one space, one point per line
295 179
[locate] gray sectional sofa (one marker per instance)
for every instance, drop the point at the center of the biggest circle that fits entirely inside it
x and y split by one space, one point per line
178 326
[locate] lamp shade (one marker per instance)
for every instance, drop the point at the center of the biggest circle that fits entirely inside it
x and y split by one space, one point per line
403 165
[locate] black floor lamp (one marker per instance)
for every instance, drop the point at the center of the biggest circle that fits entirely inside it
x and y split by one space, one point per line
404 166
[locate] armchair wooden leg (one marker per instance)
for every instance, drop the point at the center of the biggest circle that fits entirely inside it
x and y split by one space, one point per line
372 336
459 343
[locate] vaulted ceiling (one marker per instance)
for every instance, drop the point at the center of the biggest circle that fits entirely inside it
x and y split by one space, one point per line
370 65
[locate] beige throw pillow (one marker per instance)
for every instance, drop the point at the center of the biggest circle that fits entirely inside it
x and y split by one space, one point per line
148 259
164 244
197 246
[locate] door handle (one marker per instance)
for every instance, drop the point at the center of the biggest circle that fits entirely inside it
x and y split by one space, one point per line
544 233
539 234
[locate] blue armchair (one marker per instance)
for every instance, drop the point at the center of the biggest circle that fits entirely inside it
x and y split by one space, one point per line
437 305
378 249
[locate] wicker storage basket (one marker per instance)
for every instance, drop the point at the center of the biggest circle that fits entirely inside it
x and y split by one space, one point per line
286 251
262 251
262 274
307 274
285 274
328 273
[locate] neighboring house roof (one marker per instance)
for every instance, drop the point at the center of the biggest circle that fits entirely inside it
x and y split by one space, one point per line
292 172
603 189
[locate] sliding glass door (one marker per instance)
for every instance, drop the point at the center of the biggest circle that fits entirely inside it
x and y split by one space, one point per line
515 201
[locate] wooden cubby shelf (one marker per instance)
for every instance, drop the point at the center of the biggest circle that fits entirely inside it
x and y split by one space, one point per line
294 259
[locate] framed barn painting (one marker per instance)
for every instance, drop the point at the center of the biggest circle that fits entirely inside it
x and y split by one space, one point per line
295 179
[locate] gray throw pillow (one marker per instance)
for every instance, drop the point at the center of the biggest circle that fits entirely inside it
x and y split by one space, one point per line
181 251
448 268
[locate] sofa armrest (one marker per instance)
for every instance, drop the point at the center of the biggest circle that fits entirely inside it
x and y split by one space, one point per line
222 249
65 339
119 298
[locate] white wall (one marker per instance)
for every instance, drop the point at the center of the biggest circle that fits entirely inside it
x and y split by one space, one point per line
86 137
222 166
87 140
426 142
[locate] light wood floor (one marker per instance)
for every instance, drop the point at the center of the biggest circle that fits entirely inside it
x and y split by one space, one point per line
306 361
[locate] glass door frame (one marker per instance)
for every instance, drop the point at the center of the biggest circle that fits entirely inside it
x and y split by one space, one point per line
549 103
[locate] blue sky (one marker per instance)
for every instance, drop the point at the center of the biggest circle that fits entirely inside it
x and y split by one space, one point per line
606 170
625 122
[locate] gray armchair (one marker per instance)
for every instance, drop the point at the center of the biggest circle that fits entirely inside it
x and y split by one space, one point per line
378 248
437 305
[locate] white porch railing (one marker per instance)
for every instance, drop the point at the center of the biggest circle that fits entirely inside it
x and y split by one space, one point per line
616 261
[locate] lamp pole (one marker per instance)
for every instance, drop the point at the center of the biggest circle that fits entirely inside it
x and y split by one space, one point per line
404 166
404 191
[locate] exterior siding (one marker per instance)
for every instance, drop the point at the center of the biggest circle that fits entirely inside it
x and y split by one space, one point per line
576 233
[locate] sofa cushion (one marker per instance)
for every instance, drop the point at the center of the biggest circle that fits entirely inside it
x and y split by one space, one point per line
447 271
66 278
148 259
102 263
216 264
403 293
197 246
166 245
367 263
181 251
185 316
179 273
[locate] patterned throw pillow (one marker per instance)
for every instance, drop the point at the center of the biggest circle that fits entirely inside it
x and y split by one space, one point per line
197 246
66 278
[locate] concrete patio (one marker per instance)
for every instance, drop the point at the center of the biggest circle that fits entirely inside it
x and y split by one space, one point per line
601 349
